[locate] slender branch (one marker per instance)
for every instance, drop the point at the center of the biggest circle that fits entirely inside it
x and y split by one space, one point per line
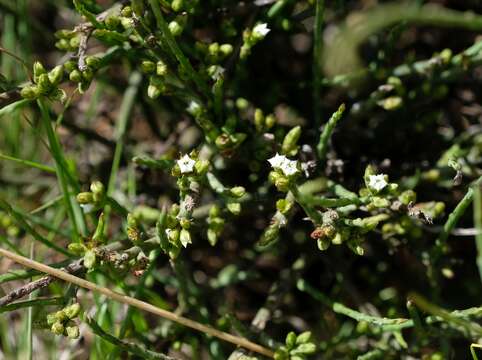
322 147
138 303
127 346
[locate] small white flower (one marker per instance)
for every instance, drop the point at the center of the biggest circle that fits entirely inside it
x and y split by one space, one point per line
261 30
87 208
289 167
377 182
277 160
193 107
281 162
216 72
186 164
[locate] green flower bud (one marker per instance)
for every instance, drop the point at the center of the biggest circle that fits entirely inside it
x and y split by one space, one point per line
282 183
290 340
57 95
126 11
289 146
391 103
89 259
112 22
201 167
148 66
57 328
284 206
177 5
185 237
88 74
226 49
212 236
446 55
323 243
74 42
75 76
38 69
154 91
223 141
234 208
85 198
77 248
173 236
259 119
269 121
305 349
185 223
407 197
56 74
242 103
175 28
270 235
51 319
161 68
62 45
237 191
303 338
72 332
30 92
99 236
93 61
44 84
72 311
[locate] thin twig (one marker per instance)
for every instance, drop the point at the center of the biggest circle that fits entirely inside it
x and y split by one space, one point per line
138 303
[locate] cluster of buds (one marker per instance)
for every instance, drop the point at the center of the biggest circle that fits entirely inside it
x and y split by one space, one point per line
263 123
279 220
93 199
189 166
6 223
251 37
173 232
214 53
83 77
89 248
284 172
296 347
45 83
61 322
68 40
215 224
157 72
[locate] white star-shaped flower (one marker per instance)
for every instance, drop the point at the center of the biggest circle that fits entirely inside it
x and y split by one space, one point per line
281 162
377 182
261 30
277 160
186 164
193 107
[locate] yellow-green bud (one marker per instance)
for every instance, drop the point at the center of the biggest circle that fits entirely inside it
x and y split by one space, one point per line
407 197
72 311
85 197
126 11
75 76
226 49
289 146
161 68
175 28
89 259
173 236
177 5
290 340
56 74
238 191
57 328
74 42
391 103
30 92
92 61
185 237
269 121
77 248
185 223
44 84
38 69
72 332
201 166
234 208
148 66
112 21
88 74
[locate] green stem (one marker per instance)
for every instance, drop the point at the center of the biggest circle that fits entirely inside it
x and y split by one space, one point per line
317 48
478 225
322 147
28 163
176 50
